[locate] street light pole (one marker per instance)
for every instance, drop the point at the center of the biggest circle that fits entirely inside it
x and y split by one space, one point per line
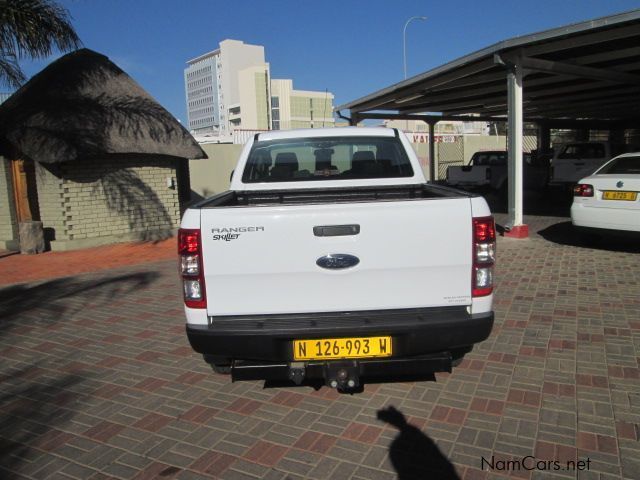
404 41
404 50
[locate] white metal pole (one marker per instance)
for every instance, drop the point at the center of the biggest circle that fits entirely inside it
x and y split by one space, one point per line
514 88
432 152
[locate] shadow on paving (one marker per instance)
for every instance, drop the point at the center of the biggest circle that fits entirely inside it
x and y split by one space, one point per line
46 303
566 234
318 383
32 408
33 399
549 202
413 454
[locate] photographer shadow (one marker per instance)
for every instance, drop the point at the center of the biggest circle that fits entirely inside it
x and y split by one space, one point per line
413 454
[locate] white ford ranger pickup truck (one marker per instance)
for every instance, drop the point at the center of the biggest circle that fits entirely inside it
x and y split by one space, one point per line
331 259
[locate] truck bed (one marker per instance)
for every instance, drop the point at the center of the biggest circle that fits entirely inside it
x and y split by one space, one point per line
326 195
412 243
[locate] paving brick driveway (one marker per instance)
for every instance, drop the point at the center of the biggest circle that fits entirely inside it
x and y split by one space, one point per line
97 381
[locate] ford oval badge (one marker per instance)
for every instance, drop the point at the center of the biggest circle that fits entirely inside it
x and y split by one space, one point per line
335 261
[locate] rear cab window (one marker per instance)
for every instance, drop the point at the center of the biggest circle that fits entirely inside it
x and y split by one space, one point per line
489 158
326 158
622 165
576 151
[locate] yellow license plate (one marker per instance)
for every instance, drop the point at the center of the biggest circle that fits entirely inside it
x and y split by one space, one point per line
335 348
610 195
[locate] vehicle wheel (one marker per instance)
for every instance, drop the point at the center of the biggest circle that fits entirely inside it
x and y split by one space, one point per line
458 354
457 361
221 369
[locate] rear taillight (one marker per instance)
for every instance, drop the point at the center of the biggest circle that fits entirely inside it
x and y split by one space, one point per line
583 190
484 256
190 265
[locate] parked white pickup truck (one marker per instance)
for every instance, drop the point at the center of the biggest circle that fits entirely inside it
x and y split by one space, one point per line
577 160
489 169
330 258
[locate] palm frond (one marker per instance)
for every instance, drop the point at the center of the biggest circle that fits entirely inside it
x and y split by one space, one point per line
32 29
10 73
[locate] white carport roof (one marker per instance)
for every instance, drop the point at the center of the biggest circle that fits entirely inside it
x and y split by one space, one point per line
582 75
588 70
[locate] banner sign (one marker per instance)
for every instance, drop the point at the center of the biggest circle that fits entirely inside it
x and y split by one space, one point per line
439 138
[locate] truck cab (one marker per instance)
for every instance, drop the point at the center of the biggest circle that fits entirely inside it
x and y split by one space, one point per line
576 160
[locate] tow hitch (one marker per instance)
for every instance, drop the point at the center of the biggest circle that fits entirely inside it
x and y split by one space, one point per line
297 372
342 374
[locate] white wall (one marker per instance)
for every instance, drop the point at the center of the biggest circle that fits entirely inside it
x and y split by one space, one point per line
234 57
210 176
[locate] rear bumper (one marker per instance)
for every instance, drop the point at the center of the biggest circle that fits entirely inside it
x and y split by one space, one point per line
624 219
269 338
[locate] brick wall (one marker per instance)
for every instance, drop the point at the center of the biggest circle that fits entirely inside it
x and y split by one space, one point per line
92 202
8 224
49 187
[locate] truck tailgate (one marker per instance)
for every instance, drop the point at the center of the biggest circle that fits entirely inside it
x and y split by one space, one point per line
262 260
468 175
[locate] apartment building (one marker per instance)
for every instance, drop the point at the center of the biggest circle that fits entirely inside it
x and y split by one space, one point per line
231 89
212 84
299 108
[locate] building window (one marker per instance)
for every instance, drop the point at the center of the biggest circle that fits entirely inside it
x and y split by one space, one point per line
275 113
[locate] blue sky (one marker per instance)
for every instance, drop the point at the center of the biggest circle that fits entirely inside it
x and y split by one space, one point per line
352 48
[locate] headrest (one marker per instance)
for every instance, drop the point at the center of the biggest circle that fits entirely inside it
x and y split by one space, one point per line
363 156
287 159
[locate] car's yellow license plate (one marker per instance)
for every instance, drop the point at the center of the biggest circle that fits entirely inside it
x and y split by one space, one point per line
336 348
611 195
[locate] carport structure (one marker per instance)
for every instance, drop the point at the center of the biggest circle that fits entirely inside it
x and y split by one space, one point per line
579 76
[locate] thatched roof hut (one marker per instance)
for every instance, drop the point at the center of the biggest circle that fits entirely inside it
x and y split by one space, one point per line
92 156
83 106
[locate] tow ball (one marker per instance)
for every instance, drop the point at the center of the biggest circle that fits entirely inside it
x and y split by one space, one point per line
342 375
338 375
